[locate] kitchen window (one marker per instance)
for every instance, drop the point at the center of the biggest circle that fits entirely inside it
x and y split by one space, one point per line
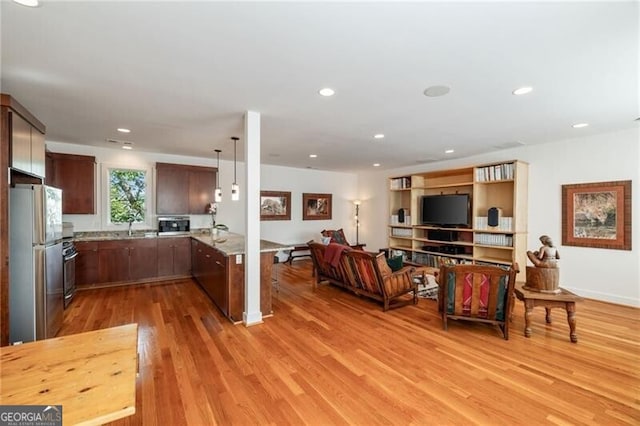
127 197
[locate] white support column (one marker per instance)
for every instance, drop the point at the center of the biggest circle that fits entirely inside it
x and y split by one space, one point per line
252 314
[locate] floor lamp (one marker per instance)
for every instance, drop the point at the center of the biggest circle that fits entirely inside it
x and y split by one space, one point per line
357 204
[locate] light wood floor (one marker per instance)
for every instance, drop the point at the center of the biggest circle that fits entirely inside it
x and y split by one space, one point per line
330 357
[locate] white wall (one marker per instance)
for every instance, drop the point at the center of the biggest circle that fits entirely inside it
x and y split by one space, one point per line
609 275
342 186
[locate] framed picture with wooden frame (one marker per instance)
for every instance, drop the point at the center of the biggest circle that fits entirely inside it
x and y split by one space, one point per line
316 206
275 205
597 215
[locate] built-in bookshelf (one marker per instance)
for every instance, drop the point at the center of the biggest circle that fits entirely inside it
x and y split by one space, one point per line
502 186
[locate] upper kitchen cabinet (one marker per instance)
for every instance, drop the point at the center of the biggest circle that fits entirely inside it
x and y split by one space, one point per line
25 138
182 189
75 175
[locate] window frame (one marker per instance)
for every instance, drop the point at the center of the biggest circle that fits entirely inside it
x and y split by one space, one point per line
106 205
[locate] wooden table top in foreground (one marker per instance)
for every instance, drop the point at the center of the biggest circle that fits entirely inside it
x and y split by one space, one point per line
92 375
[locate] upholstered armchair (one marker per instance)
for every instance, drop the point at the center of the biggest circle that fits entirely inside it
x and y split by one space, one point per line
337 236
480 293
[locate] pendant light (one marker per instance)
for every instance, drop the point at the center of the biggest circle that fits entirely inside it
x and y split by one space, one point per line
217 194
235 189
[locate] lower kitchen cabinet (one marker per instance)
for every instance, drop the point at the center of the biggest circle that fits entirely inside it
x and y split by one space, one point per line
210 271
116 261
143 259
222 278
174 256
86 262
113 261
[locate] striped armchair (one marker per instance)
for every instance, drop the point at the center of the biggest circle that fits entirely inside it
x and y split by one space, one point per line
477 293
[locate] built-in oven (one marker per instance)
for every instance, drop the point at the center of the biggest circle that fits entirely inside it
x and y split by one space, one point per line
69 255
174 225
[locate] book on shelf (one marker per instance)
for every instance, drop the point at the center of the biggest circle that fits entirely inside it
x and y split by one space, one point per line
401 232
501 240
505 223
400 183
394 220
495 173
436 261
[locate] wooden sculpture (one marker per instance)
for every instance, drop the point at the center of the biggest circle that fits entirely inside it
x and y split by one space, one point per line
545 275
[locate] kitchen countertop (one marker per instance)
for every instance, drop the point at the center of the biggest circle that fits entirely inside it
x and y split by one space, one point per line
123 235
228 243
92 375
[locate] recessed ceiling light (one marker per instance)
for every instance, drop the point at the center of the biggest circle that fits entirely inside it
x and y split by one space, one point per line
379 136
327 91
127 145
449 151
313 155
580 125
376 164
522 90
123 130
29 3
435 91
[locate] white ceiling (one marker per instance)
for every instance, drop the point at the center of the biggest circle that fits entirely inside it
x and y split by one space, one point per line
180 75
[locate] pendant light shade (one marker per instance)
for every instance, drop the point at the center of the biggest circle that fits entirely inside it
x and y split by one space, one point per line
235 189
217 194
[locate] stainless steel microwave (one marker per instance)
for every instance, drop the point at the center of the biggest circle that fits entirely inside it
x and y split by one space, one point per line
174 225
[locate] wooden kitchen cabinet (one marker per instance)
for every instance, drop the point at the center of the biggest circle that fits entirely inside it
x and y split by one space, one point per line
218 281
174 256
86 262
172 183
20 143
182 189
113 261
209 268
202 181
75 175
27 147
127 260
143 258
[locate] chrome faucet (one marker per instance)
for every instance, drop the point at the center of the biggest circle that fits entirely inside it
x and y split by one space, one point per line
130 232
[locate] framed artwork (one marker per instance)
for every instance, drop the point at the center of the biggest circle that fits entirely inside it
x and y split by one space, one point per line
316 206
597 215
275 205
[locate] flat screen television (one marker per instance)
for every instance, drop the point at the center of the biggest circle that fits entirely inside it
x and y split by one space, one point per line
452 210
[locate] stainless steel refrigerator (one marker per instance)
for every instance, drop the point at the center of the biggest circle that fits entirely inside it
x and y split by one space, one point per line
36 300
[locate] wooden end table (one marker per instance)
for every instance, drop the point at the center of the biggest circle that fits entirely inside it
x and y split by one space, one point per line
565 299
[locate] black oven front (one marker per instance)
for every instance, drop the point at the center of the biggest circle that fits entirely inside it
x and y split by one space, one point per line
69 254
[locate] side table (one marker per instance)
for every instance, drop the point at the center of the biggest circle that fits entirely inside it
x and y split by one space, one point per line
565 299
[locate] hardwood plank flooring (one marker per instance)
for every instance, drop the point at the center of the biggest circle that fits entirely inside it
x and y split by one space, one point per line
329 357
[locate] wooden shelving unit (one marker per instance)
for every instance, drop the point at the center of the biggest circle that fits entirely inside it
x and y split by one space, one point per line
502 185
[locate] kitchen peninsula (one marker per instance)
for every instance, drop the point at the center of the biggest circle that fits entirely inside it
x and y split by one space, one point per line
218 266
115 258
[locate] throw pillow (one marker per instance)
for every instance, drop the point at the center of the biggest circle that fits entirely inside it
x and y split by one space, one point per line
395 263
336 236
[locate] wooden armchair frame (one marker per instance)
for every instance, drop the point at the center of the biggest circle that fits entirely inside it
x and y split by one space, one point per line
481 293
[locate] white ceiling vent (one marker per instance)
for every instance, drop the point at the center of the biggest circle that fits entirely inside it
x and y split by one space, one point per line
512 144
